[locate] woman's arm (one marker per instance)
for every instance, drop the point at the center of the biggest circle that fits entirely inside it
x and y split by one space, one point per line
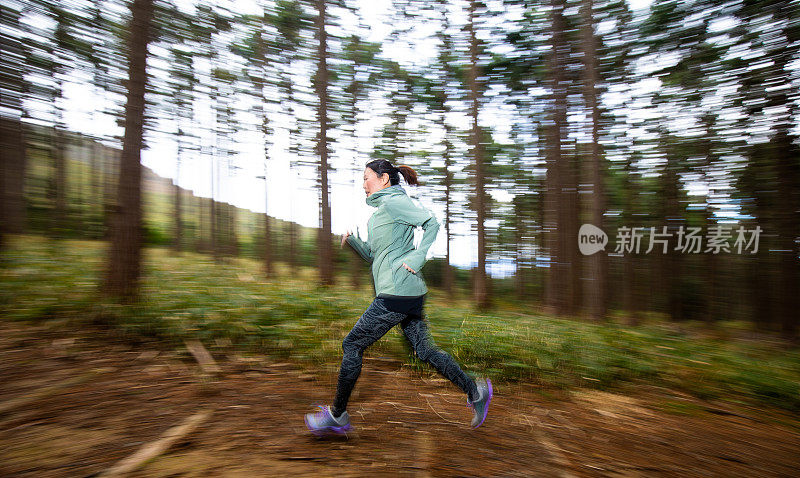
361 247
408 213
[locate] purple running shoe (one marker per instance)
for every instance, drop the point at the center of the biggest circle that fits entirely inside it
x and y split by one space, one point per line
481 405
324 423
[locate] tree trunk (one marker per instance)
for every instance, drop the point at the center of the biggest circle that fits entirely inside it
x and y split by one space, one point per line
563 182
550 216
759 281
448 269
710 273
630 280
519 237
12 148
124 260
233 230
324 238
7 130
671 263
597 285
12 177
205 224
110 159
712 290
481 292
59 219
268 266
293 237
178 225
788 221
95 180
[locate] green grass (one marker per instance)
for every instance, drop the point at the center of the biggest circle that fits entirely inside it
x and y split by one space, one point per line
188 295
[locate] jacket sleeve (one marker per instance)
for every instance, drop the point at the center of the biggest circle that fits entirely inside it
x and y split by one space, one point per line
407 212
360 246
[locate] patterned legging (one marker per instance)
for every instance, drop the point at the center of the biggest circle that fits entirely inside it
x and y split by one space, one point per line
376 321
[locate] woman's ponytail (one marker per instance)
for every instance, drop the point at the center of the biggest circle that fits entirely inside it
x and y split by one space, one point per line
408 174
382 166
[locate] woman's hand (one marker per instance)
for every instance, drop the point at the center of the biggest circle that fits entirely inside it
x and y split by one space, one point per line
409 269
345 236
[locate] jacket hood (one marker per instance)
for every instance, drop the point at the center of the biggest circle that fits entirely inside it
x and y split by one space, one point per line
376 198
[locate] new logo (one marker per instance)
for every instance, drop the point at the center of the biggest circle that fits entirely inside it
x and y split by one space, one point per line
591 239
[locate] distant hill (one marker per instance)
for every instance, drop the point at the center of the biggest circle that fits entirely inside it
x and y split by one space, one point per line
87 158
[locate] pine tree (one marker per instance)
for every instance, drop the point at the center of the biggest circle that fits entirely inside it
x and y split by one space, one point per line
124 261
12 157
481 292
321 81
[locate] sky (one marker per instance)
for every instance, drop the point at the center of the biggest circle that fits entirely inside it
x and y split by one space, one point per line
290 194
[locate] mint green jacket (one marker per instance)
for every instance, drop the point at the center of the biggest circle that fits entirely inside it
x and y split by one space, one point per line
391 243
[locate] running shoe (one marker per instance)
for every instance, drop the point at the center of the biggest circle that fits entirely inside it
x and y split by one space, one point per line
324 423
481 405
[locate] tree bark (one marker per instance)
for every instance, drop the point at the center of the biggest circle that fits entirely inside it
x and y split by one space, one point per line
550 216
233 230
12 149
563 182
124 261
481 292
519 275
449 278
59 150
324 245
671 263
268 266
597 286
630 289
213 214
12 176
788 221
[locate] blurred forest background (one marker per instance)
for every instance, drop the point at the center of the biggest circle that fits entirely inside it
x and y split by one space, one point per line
682 115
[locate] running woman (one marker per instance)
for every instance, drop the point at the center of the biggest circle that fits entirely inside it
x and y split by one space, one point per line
400 294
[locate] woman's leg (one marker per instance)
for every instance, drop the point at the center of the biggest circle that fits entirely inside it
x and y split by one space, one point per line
416 331
376 321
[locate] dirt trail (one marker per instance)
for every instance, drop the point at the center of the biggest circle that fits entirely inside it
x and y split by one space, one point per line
92 402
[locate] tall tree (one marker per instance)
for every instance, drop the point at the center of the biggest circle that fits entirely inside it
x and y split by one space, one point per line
527 80
321 81
775 29
671 266
481 292
12 151
598 270
561 181
123 267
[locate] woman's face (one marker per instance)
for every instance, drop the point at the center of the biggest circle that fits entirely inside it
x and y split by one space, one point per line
373 182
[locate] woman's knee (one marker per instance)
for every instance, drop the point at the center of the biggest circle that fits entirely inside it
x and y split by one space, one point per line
350 346
426 353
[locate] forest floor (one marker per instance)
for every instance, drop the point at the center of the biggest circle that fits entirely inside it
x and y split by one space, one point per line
74 402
